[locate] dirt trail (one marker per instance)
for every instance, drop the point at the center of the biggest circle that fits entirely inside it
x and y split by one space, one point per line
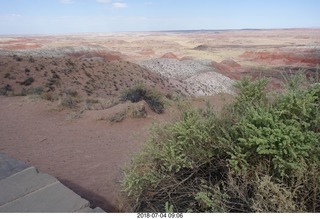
85 154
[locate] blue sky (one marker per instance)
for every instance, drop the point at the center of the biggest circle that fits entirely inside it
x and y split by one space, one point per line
85 16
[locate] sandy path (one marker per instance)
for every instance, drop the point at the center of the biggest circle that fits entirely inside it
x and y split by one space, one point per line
86 155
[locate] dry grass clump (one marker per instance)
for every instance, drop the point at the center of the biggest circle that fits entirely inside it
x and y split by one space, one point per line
132 111
69 99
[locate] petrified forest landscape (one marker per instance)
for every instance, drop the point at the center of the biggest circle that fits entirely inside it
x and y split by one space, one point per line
80 107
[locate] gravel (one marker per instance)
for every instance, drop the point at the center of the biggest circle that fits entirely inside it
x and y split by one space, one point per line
198 76
173 68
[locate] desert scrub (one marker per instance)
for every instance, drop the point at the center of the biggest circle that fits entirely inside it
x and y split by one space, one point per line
259 154
132 111
5 90
69 99
49 96
27 82
118 117
154 99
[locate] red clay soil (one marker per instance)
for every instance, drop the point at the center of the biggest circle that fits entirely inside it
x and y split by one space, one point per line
307 57
170 55
84 154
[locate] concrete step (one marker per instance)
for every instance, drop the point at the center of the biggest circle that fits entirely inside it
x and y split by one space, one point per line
10 166
51 198
25 189
23 183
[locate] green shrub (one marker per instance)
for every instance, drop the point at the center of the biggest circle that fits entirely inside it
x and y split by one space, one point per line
257 155
139 92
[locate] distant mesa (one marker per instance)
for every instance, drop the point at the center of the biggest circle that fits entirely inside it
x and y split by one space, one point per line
170 55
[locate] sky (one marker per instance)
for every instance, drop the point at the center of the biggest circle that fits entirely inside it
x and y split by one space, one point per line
102 16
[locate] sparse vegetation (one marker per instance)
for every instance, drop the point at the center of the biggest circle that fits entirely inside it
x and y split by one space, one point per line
28 81
260 154
17 58
49 96
5 90
27 70
118 117
35 91
6 75
132 111
139 92
69 99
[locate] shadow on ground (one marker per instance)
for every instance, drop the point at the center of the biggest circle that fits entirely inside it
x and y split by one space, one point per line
95 200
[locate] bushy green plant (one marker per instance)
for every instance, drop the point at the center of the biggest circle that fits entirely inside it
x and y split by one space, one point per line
251 93
263 135
257 155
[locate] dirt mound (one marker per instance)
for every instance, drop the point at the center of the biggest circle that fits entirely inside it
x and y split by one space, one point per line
298 57
210 83
170 55
20 75
231 63
226 66
194 77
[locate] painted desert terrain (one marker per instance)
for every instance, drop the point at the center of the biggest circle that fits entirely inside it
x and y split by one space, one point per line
64 103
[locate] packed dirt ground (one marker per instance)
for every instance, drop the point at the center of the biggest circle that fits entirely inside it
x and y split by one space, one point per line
61 110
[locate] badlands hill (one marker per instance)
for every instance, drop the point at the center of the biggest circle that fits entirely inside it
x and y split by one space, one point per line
87 76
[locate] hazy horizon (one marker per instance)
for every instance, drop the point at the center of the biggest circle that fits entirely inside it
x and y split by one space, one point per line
62 17
155 31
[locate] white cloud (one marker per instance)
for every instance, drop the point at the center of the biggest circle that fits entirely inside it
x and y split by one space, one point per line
115 4
103 1
119 5
66 1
